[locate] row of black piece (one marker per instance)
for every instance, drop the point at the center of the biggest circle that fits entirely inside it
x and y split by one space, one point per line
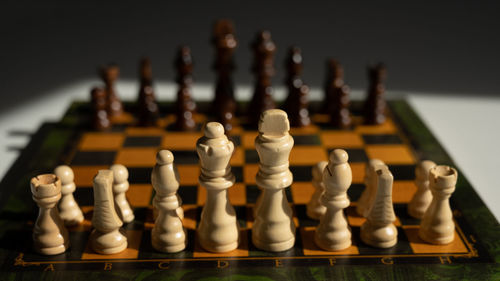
336 104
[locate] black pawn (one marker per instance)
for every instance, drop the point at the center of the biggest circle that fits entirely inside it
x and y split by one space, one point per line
147 107
100 120
185 105
374 110
293 80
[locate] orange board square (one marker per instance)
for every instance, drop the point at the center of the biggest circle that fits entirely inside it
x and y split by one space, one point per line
189 220
341 139
238 158
403 191
237 194
249 173
139 195
84 175
358 172
356 220
302 192
202 196
248 139
188 174
387 127
307 155
144 131
101 141
137 157
132 251
307 130
421 247
180 141
311 249
390 154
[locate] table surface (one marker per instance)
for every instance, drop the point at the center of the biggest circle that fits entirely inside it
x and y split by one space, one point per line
465 126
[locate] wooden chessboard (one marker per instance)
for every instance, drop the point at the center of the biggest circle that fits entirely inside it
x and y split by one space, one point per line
400 142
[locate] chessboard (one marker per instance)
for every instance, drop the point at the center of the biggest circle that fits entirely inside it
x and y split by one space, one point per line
401 141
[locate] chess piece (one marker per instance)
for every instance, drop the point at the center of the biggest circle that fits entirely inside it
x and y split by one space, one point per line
340 115
423 197
375 102
167 235
366 198
147 106
218 229
379 230
296 103
333 232
224 104
333 82
109 75
120 187
314 208
50 237
437 226
263 68
106 237
100 119
68 208
185 105
273 228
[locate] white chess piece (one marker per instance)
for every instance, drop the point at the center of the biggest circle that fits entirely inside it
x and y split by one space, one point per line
437 226
218 229
379 230
50 237
273 229
314 208
68 208
120 187
333 232
167 235
423 197
106 237
366 198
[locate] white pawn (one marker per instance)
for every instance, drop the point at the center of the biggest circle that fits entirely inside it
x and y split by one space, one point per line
379 230
68 208
423 197
106 237
273 229
50 237
437 226
366 198
314 208
333 232
120 187
218 229
167 235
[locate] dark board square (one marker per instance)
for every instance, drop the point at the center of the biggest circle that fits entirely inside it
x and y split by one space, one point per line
403 172
382 139
188 194
139 175
401 211
301 173
355 191
119 127
401 247
251 156
142 141
304 220
235 139
238 173
288 193
138 222
94 158
185 157
307 140
252 192
84 196
241 215
355 154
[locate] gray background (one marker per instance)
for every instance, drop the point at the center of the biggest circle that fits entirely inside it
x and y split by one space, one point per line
429 46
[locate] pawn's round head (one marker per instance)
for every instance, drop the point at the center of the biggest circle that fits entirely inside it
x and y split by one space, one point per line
213 130
338 156
164 157
423 169
65 174
120 173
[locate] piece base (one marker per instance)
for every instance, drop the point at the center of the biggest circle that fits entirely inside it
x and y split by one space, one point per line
52 250
436 240
274 247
